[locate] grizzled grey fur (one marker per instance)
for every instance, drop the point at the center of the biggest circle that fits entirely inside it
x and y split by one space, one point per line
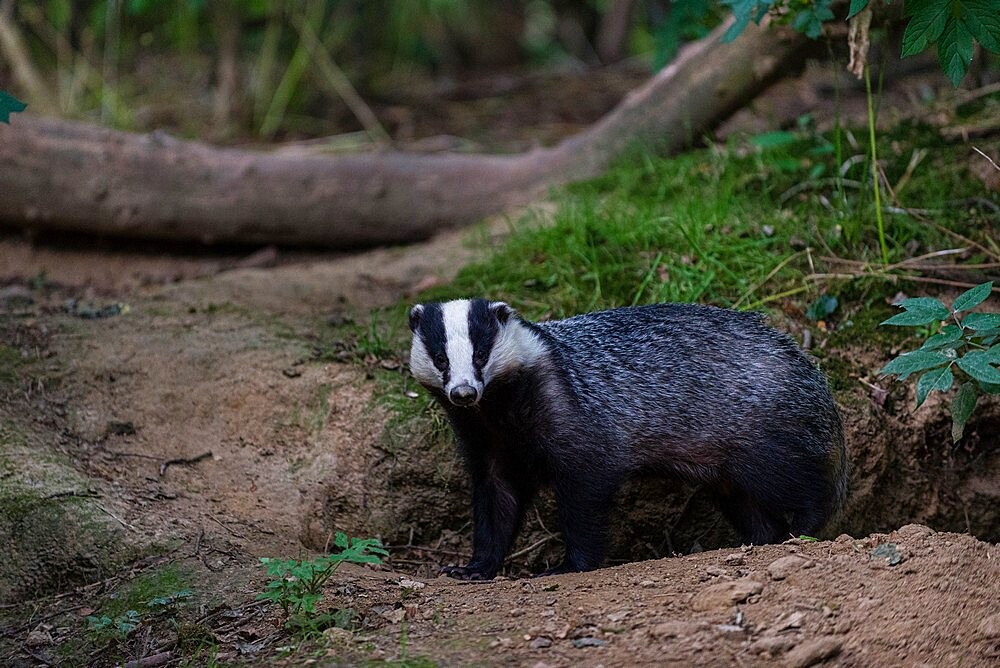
708 394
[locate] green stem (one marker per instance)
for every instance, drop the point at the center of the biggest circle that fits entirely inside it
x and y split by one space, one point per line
875 188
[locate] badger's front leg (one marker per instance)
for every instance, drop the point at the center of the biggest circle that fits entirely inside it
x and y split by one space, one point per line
498 506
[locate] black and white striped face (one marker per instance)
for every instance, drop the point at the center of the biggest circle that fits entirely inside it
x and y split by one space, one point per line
460 346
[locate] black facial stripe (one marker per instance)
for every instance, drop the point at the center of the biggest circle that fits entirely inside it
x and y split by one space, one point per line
434 337
483 330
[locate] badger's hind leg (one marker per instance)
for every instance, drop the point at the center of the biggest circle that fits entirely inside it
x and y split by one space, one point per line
776 495
754 524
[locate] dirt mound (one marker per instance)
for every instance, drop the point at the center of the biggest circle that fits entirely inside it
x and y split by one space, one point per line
884 600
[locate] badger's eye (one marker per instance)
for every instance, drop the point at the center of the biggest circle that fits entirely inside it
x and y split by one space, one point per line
479 358
441 361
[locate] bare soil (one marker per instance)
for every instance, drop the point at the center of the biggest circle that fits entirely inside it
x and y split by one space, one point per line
206 431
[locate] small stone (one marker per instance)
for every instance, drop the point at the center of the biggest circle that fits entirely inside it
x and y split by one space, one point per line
734 559
715 571
618 616
725 594
407 583
914 531
768 230
38 638
773 645
580 643
501 643
338 635
666 630
989 628
780 569
842 627
516 612
887 552
394 616
729 628
541 642
291 372
792 621
813 652
647 584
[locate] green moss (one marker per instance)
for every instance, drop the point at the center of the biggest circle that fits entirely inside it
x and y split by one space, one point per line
163 582
10 362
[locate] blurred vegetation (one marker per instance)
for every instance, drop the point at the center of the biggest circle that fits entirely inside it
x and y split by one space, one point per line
259 65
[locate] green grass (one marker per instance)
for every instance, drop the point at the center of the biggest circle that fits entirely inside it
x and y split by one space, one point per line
713 226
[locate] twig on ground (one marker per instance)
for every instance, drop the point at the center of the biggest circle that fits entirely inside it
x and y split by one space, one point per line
184 460
115 517
536 544
992 162
158 659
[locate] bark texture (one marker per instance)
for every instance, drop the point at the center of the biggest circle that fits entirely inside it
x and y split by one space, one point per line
59 174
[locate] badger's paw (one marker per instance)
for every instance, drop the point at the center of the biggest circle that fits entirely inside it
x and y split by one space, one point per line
471 572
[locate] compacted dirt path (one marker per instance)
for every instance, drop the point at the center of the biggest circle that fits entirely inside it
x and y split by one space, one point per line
202 424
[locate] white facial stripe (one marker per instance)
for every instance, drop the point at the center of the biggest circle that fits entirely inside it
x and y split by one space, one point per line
459 345
421 366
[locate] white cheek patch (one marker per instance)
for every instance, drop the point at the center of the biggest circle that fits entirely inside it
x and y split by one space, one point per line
421 366
458 345
515 346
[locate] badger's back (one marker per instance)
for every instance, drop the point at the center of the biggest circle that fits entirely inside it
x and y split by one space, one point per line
692 384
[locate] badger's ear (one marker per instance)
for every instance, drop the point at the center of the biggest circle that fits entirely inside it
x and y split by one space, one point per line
502 311
415 314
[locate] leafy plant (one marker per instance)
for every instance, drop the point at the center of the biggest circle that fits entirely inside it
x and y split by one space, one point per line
298 585
966 344
954 26
116 628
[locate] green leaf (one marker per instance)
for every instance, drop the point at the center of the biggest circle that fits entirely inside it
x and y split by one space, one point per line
977 365
857 6
972 298
909 363
822 307
928 21
935 379
961 408
981 321
925 304
982 19
955 49
915 317
993 355
775 139
9 105
340 540
948 335
919 311
810 20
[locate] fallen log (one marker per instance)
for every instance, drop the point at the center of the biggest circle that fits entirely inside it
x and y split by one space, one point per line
58 174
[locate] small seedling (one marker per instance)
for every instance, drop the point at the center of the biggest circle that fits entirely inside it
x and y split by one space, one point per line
117 628
298 585
966 343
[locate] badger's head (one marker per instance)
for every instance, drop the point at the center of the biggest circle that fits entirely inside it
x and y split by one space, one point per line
460 347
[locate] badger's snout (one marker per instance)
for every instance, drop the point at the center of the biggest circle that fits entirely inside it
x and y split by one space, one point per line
463 395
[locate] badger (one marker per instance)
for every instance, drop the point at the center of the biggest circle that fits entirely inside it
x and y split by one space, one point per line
580 405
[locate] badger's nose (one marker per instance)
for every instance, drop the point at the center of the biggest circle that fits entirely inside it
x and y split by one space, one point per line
463 395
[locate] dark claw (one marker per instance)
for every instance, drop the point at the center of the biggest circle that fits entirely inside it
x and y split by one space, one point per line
470 572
